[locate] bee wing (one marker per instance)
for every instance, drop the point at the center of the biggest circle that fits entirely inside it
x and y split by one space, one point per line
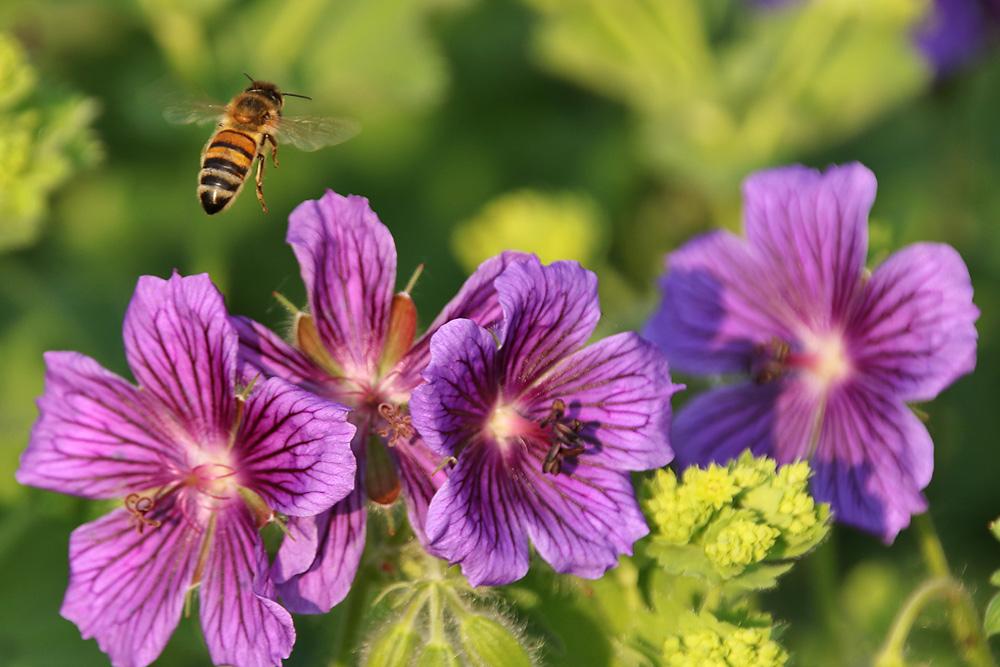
202 113
309 133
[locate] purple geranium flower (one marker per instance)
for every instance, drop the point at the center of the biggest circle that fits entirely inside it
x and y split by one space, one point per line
200 467
953 34
833 353
544 430
357 347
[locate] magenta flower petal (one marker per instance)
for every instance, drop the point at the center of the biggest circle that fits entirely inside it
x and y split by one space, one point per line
264 352
348 263
548 313
718 425
873 459
476 519
526 415
608 518
421 475
716 306
334 542
832 354
621 385
126 588
810 231
296 453
243 625
450 411
181 348
476 301
916 322
94 436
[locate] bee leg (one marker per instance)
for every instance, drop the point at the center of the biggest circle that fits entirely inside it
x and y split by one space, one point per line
260 182
274 148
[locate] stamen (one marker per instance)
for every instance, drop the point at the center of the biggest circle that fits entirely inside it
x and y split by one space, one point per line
769 361
397 424
413 279
566 437
139 506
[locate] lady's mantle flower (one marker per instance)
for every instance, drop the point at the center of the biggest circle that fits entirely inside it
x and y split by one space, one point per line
357 347
545 430
833 354
200 466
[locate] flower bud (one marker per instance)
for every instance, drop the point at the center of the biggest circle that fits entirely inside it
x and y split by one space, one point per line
381 479
307 339
401 330
394 647
489 643
437 655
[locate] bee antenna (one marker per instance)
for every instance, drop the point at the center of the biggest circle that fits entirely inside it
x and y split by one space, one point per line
249 77
305 97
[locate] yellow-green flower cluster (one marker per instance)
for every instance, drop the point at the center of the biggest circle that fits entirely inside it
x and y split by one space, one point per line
720 520
742 647
43 142
553 226
740 541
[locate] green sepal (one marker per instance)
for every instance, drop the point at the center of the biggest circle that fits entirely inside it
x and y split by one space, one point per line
437 655
394 647
489 644
991 621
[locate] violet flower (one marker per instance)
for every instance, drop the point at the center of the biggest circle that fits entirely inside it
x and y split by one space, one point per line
831 354
200 466
956 32
357 347
953 34
544 430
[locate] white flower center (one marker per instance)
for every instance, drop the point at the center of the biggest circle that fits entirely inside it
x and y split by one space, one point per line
830 361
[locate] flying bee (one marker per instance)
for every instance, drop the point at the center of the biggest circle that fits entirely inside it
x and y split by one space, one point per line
247 127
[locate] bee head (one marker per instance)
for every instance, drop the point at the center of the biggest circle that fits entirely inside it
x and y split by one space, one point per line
265 88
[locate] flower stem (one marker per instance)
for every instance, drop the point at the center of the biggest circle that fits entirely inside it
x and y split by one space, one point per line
965 626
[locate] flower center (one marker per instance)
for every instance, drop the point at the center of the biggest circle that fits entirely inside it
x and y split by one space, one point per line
505 423
825 359
830 359
213 479
562 435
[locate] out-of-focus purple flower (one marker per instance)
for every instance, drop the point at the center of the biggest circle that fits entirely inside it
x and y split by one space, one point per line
544 430
200 466
954 33
833 353
357 347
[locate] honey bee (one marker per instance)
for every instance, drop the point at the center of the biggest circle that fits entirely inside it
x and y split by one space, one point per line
247 127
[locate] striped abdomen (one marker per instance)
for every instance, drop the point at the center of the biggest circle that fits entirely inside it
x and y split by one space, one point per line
224 167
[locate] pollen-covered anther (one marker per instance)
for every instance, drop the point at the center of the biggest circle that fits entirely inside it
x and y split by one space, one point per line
566 437
139 506
397 424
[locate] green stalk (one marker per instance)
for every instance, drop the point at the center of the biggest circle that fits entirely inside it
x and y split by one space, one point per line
966 629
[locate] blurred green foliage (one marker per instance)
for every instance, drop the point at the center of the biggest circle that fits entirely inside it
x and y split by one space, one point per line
650 111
